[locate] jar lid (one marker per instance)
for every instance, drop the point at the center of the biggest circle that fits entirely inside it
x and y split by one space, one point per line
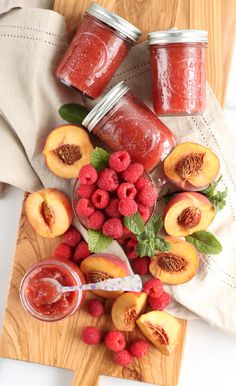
105 104
114 21
178 36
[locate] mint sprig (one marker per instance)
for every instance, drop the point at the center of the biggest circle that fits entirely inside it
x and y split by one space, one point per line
217 198
99 158
73 113
134 223
97 241
205 242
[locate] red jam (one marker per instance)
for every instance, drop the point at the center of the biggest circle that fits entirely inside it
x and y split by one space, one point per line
178 77
36 295
95 53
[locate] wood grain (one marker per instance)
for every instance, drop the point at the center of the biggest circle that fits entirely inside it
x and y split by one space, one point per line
59 344
216 16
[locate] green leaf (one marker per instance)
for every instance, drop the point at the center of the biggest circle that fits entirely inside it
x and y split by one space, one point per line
146 247
134 223
161 245
97 241
210 190
219 200
205 242
99 158
153 226
73 113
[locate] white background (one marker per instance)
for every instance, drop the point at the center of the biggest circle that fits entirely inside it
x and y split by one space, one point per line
209 355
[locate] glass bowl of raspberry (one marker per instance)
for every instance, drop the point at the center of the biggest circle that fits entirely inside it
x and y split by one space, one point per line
102 197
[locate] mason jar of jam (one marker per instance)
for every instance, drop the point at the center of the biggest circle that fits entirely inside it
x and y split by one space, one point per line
97 50
35 294
178 67
123 122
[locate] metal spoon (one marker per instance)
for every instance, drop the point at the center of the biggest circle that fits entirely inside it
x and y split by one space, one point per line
128 283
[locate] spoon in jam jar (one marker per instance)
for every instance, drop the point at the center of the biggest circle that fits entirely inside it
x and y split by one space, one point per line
49 290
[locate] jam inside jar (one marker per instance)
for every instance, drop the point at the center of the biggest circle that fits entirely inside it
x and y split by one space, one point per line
35 294
178 66
123 122
97 50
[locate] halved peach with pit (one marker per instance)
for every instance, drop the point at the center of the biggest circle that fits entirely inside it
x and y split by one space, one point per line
66 150
49 212
126 309
161 329
178 265
188 212
99 267
191 166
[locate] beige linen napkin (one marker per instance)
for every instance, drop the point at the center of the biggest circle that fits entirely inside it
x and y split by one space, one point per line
32 41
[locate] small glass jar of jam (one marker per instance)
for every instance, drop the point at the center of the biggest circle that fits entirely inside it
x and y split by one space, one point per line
178 66
123 122
101 43
35 294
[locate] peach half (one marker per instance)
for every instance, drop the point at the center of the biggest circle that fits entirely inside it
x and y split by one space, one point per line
161 329
49 212
126 309
176 266
188 212
66 150
191 166
104 266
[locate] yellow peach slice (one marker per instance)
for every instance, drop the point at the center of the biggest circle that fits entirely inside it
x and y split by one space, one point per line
161 329
66 150
126 309
49 212
178 265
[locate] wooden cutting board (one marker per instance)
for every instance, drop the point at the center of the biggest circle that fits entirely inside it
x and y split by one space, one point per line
58 344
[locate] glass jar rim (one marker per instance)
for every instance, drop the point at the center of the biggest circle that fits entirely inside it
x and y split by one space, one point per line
175 35
115 21
26 304
105 104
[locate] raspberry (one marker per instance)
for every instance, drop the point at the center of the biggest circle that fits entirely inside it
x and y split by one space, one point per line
142 183
100 198
144 212
148 196
108 180
121 241
113 228
139 348
72 237
86 191
133 172
95 308
84 207
161 302
141 265
63 250
126 190
127 207
123 358
119 161
96 220
82 251
88 175
131 249
128 234
112 208
91 335
115 341
153 288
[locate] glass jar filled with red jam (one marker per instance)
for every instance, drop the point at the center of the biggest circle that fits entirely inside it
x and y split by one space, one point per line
178 66
123 122
36 294
101 43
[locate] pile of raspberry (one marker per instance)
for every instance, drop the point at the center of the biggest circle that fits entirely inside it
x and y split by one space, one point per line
107 196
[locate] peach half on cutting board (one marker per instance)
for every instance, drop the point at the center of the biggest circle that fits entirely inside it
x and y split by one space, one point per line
191 166
49 212
188 212
66 150
176 266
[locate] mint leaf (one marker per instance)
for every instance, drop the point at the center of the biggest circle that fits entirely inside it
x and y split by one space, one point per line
153 226
97 241
217 199
161 245
146 248
99 158
210 190
73 113
134 223
205 242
